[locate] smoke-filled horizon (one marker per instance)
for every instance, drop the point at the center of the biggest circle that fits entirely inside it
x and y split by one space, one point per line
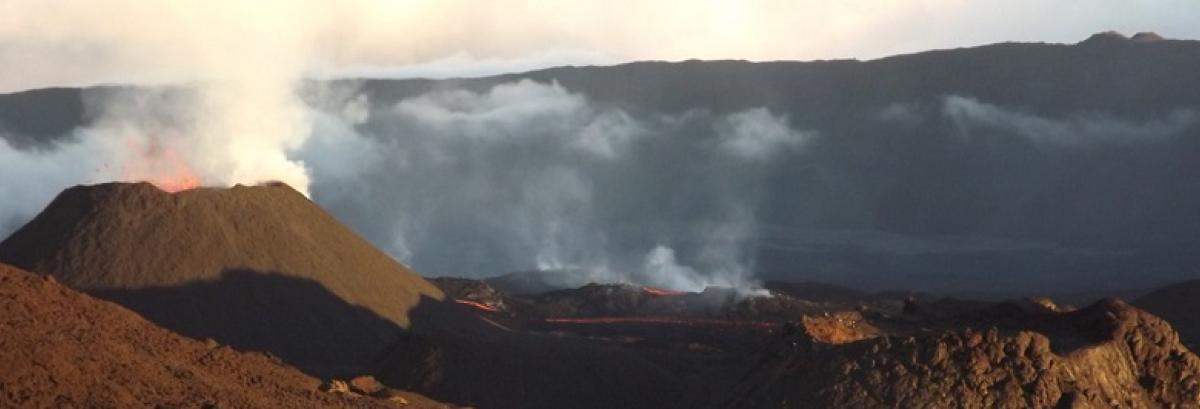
531 175
77 43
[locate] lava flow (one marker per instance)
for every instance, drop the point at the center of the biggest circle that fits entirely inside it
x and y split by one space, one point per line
477 305
664 321
661 292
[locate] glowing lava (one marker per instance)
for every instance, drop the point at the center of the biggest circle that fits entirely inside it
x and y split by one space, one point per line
477 305
664 321
158 164
661 292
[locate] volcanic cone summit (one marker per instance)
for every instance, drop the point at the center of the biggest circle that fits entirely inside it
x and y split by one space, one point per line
258 267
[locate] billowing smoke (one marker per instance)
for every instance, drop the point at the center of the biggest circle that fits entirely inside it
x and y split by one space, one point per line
529 175
232 115
176 138
216 134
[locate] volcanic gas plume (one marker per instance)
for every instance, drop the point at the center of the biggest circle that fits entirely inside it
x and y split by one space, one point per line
162 166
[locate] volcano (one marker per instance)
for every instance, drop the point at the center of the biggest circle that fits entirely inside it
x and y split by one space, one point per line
260 268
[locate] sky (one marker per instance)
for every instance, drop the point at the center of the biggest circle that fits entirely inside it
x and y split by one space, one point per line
80 42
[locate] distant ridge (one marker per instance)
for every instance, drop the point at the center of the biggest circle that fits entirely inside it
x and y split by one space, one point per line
1178 304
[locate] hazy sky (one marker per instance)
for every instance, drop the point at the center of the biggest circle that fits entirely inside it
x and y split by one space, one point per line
70 42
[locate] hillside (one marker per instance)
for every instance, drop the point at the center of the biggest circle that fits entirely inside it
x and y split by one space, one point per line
61 348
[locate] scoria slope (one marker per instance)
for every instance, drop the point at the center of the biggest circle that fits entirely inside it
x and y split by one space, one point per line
261 268
60 348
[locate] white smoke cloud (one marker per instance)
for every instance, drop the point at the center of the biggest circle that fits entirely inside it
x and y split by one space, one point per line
902 113
235 118
1076 131
757 134
452 161
529 175
218 134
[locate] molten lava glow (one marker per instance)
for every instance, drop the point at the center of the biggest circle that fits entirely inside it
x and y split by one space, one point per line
158 164
661 292
665 321
477 305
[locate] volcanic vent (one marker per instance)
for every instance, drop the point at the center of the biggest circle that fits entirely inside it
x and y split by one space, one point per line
259 268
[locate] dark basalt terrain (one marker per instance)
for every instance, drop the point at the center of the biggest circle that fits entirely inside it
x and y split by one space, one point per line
873 351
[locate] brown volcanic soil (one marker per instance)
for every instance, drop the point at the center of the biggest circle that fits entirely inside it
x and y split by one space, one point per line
60 348
261 268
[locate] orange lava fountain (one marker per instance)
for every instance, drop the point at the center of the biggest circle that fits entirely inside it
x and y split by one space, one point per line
160 165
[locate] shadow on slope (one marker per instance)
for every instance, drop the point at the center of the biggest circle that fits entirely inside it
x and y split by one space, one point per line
295 319
1177 303
500 369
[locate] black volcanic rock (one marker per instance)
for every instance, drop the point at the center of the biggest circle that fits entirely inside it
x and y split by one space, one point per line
260 268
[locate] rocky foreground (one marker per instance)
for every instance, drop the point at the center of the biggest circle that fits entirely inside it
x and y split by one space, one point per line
1110 354
62 349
